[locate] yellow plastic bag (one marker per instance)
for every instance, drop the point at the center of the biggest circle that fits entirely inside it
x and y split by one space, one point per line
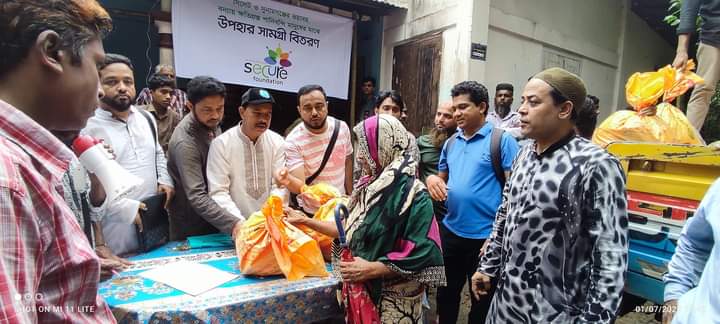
268 245
328 197
325 213
669 125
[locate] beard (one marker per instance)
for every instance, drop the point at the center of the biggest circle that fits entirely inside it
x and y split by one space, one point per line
315 127
502 110
439 136
117 105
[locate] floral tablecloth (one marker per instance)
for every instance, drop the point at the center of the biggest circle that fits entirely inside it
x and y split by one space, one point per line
134 299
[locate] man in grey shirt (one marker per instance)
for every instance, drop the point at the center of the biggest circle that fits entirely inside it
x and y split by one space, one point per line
193 212
708 54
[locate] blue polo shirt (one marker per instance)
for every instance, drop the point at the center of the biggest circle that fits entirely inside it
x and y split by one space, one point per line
474 193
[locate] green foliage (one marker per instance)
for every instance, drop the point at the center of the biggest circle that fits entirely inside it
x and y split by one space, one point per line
673 17
711 129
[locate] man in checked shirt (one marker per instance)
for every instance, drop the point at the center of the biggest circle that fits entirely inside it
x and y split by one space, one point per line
48 81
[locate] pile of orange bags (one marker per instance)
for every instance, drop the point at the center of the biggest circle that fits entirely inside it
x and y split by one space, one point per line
268 245
669 125
328 197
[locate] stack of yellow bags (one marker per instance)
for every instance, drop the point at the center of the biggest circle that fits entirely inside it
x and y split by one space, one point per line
642 91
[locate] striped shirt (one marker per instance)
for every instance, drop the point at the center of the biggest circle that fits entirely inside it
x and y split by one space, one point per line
48 271
306 149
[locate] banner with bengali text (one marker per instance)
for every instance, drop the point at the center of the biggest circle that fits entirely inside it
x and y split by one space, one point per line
262 43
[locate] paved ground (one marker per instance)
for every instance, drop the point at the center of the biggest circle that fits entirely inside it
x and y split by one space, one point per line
629 318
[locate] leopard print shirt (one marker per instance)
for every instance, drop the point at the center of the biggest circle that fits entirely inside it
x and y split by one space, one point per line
559 245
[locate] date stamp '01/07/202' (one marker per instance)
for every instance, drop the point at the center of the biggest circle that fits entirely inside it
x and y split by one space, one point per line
654 308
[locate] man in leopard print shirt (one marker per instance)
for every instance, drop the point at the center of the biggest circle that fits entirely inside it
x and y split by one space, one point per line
560 240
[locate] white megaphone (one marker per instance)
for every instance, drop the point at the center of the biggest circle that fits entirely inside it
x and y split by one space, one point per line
116 181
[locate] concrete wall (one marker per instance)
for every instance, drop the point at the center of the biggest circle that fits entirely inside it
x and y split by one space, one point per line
642 51
605 37
452 17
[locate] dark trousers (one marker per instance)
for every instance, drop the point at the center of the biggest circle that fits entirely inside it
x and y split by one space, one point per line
461 260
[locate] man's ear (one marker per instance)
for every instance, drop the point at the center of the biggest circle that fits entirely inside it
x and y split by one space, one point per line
241 111
566 110
48 46
484 108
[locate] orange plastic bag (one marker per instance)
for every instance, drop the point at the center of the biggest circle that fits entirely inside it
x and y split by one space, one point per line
325 213
669 125
328 197
268 245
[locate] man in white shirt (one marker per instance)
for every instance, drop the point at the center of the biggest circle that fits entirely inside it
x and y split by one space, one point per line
503 116
130 132
241 162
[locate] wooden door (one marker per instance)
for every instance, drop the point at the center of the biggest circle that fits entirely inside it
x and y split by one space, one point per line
416 75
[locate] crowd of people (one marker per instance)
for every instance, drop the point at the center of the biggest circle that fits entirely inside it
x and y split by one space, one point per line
518 205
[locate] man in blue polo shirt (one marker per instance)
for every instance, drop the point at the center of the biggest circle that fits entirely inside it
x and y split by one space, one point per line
468 183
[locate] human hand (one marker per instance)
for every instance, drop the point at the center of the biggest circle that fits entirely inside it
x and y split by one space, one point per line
483 248
669 309
436 187
103 252
108 149
359 270
138 219
281 177
681 58
480 284
108 267
169 193
295 217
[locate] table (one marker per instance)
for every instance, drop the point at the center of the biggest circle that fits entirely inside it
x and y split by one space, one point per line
134 299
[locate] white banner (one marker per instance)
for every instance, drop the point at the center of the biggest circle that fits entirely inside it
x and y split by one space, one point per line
262 43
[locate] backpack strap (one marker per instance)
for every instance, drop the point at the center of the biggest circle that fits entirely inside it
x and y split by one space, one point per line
328 152
496 155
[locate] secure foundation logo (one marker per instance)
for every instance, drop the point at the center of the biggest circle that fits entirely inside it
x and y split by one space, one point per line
272 69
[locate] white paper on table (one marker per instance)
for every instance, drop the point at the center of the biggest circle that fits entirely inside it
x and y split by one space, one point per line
191 278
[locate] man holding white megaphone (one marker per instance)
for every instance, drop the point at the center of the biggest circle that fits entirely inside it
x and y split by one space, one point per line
132 133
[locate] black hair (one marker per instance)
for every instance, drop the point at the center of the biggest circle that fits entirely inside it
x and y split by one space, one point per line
504 86
369 79
587 116
310 88
111 58
158 81
478 93
201 87
392 94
